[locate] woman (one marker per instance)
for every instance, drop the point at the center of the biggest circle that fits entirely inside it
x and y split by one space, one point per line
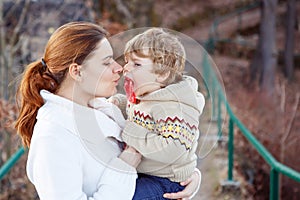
74 151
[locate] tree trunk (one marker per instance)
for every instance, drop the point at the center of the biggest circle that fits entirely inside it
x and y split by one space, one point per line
289 39
269 51
256 64
2 53
264 62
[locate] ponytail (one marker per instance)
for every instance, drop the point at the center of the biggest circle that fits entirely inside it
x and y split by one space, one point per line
35 78
71 43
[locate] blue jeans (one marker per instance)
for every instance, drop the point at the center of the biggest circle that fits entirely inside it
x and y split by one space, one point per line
152 187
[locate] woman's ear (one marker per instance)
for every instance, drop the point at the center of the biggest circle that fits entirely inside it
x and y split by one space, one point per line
74 71
162 77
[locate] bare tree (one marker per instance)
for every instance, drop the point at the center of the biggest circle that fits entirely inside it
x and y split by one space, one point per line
289 39
132 13
9 45
25 26
265 59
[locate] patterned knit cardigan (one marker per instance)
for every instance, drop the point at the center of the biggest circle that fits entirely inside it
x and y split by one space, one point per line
163 127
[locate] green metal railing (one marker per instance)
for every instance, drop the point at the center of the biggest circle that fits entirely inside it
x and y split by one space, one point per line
214 35
276 167
216 91
11 162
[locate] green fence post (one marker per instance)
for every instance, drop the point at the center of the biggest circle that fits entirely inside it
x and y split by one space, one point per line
213 98
274 185
209 79
230 149
206 74
219 116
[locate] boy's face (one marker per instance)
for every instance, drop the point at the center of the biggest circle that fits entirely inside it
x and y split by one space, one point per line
140 71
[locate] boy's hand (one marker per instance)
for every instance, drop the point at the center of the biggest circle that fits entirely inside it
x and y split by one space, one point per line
111 110
131 156
114 100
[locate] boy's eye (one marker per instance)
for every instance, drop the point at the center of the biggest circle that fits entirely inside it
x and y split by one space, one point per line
137 65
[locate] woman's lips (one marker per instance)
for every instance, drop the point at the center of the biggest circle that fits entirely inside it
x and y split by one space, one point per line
116 81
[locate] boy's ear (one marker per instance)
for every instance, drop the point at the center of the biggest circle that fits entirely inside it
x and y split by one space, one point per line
74 71
162 77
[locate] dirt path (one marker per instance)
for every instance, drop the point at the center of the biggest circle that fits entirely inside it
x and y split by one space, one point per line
212 162
211 158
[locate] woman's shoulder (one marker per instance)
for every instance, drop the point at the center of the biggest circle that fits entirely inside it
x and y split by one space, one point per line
53 132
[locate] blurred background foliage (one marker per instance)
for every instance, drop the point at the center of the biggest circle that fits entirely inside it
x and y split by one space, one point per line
255 44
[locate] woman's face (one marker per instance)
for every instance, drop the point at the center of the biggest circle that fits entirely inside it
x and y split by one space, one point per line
100 72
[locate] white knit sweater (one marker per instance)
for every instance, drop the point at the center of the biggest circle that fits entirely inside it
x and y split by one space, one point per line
73 154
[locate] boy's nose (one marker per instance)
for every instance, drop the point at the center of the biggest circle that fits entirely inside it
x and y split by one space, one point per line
125 68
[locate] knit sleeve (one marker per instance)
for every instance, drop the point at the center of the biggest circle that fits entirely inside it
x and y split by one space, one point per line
170 139
177 122
178 130
152 147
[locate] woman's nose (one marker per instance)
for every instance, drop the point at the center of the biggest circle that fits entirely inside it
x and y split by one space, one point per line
117 68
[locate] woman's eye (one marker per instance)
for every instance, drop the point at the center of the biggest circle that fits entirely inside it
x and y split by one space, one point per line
107 63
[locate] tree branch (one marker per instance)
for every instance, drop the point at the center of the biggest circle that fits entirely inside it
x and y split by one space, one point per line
20 23
124 10
11 10
282 102
289 127
2 50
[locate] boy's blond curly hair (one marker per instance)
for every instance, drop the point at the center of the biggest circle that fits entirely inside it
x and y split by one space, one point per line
164 49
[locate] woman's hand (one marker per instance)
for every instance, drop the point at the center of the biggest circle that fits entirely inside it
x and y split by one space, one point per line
131 156
192 186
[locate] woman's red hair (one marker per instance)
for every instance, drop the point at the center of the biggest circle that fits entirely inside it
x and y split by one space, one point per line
71 43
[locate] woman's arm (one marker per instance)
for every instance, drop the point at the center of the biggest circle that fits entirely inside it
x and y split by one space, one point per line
192 187
56 171
117 182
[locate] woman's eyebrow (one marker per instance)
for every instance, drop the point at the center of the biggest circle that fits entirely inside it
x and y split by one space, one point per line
107 57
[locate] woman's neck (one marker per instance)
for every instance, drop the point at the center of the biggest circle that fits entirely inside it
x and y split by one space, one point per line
73 94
